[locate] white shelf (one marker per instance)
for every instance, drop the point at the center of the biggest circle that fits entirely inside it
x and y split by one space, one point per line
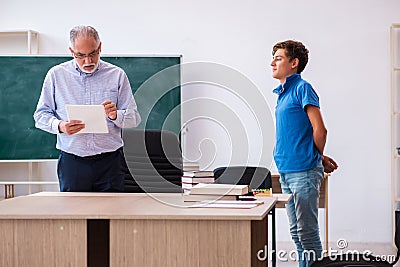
32 38
395 105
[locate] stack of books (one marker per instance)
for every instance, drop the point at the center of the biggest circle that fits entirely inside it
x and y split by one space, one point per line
191 166
192 178
221 196
204 192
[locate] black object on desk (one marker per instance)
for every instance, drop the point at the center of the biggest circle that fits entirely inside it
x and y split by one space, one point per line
255 177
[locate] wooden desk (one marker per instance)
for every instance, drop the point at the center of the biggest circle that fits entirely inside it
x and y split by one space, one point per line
323 199
138 230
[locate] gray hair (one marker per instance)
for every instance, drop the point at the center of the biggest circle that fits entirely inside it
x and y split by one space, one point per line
85 31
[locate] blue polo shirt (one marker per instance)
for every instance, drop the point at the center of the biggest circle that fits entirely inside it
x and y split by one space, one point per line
294 149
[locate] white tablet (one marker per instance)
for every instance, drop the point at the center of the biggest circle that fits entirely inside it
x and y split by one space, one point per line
93 116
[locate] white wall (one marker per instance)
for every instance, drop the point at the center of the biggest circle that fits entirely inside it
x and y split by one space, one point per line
349 67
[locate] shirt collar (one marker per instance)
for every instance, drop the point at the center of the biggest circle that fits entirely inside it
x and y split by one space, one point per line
289 80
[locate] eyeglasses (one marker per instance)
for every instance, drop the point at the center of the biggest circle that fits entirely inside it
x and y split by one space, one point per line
90 55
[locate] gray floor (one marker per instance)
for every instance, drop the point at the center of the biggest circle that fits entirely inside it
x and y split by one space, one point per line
286 252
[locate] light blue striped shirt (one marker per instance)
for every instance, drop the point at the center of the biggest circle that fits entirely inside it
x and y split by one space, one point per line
67 84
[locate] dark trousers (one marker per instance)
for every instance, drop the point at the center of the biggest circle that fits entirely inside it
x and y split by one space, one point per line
99 173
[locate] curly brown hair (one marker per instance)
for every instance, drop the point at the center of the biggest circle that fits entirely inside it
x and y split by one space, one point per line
293 49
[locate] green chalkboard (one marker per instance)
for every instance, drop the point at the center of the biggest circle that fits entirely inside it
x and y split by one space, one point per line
155 82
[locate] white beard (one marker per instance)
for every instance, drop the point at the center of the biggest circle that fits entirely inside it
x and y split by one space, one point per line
82 68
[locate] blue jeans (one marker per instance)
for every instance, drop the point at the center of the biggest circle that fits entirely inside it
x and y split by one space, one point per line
302 212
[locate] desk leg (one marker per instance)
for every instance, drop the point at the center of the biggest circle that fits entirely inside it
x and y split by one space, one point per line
326 215
98 243
273 254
